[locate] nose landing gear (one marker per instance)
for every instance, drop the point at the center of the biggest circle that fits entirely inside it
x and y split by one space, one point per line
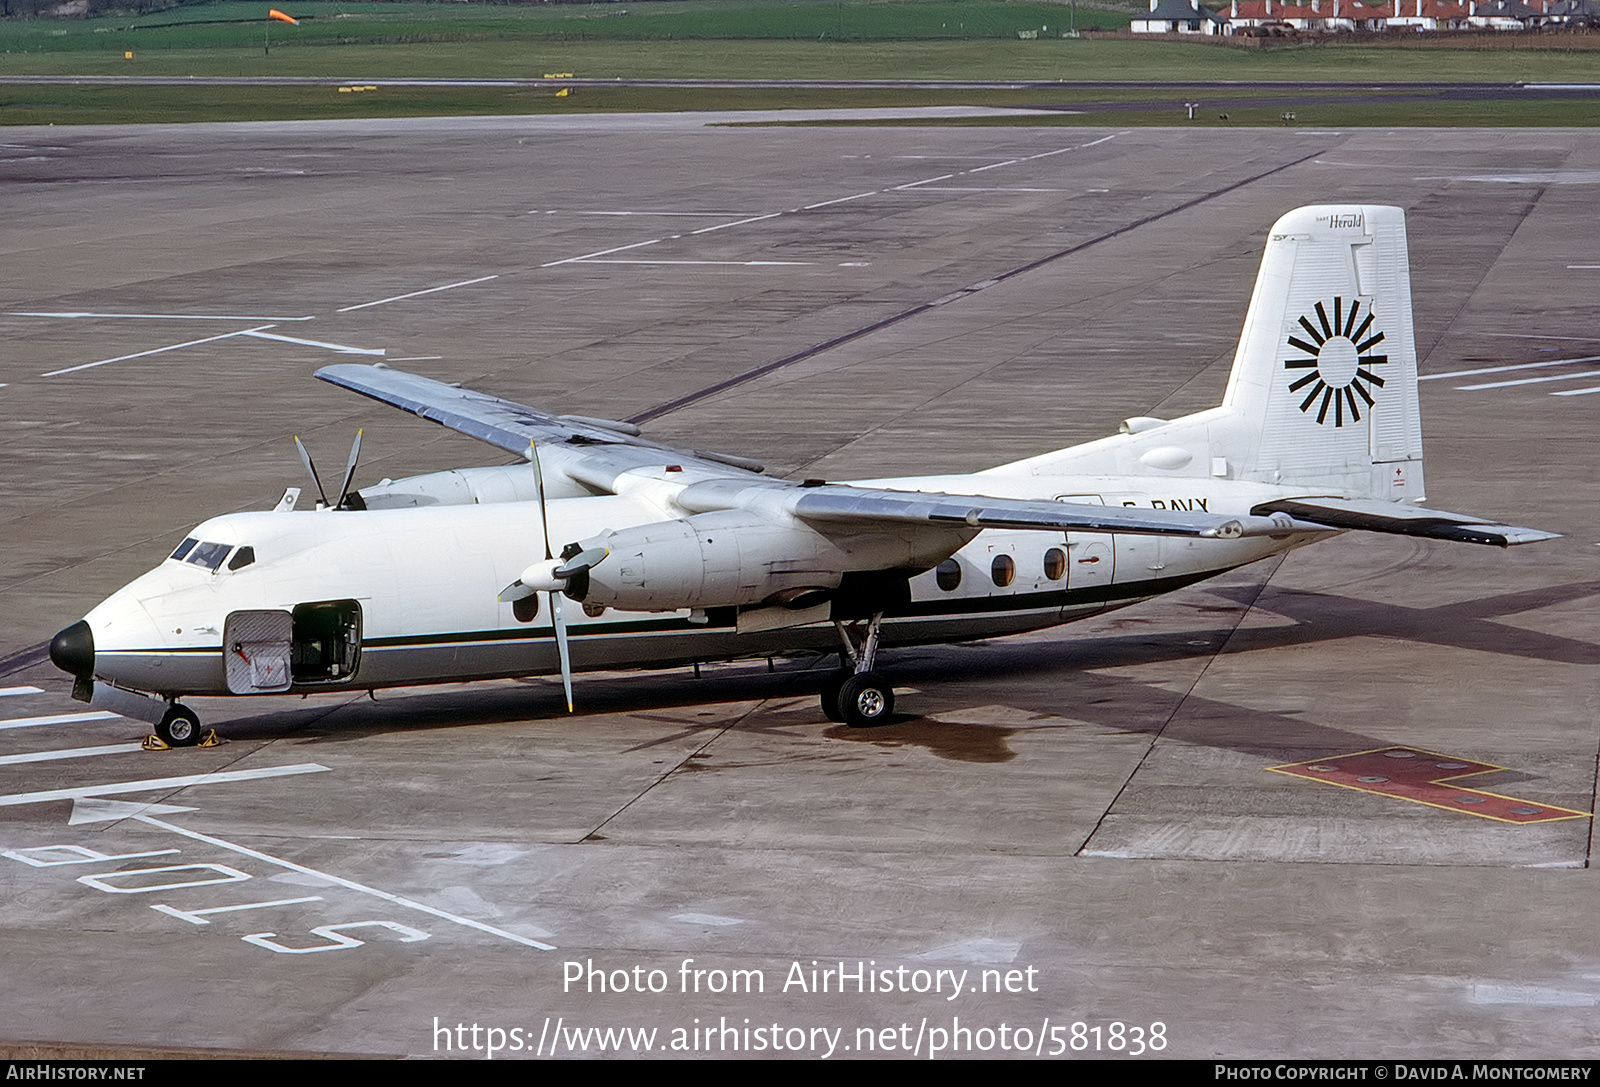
179 727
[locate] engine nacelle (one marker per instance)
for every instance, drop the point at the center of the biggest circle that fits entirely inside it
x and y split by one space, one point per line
738 558
468 487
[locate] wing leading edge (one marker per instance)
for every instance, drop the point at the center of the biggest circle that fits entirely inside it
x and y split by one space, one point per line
507 424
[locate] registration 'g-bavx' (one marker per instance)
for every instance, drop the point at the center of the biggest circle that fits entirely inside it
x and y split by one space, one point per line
678 556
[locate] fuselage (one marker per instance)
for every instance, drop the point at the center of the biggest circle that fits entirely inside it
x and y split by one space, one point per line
328 600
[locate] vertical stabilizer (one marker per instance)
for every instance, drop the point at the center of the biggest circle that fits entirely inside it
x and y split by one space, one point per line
1324 384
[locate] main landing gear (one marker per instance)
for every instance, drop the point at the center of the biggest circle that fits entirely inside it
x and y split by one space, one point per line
856 695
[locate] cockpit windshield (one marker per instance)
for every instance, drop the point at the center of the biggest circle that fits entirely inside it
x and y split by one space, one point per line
211 555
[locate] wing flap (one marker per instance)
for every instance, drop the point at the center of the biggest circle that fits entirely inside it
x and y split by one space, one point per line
1392 517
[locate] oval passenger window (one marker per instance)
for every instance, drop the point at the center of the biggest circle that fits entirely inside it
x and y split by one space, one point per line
1003 570
1055 564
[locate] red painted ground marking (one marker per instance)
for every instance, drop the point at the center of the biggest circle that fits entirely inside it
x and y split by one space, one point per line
1424 777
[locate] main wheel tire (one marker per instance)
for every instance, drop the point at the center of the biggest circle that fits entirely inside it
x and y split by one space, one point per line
180 727
830 694
866 700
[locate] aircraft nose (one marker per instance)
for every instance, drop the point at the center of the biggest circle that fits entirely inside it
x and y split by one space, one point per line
72 650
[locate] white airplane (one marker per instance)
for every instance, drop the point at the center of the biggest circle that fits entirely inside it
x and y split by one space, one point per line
679 557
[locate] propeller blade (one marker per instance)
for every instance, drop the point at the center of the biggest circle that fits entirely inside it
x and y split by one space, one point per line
577 564
538 490
517 590
305 458
557 620
350 470
560 623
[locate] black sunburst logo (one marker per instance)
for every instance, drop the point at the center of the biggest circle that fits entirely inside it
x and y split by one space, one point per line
1341 360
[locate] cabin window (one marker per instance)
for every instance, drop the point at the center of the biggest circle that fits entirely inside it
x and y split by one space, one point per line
526 608
1055 564
948 575
242 558
1003 570
595 611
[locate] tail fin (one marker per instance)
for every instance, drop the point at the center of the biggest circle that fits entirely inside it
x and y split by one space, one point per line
1324 386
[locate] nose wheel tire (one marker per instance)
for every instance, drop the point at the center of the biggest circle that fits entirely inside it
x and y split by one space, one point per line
865 700
180 727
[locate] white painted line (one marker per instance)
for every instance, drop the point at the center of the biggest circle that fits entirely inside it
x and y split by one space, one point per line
197 917
924 181
156 351
688 214
418 358
841 200
346 883
992 166
991 188
736 222
1583 266
1505 369
417 294
163 316
57 719
601 253
161 784
339 347
6 692
734 263
1532 380
1074 147
1577 392
1537 336
69 753
89 809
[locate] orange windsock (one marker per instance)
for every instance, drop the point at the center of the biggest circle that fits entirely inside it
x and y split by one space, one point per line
274 13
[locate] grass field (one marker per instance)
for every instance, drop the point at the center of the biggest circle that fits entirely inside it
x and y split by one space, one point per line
721 39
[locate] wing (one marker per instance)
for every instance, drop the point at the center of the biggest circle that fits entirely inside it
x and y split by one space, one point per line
868 506
508 425
844 508
596 452
1393 517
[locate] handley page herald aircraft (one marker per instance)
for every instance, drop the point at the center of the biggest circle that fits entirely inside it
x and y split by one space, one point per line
679 556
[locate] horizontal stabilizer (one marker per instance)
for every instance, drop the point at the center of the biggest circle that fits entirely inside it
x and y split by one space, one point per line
1373 515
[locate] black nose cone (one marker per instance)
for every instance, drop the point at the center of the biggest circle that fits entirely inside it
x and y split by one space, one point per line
73 650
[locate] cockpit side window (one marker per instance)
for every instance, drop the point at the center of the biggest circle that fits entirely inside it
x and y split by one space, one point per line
209 555
184 548
242 558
